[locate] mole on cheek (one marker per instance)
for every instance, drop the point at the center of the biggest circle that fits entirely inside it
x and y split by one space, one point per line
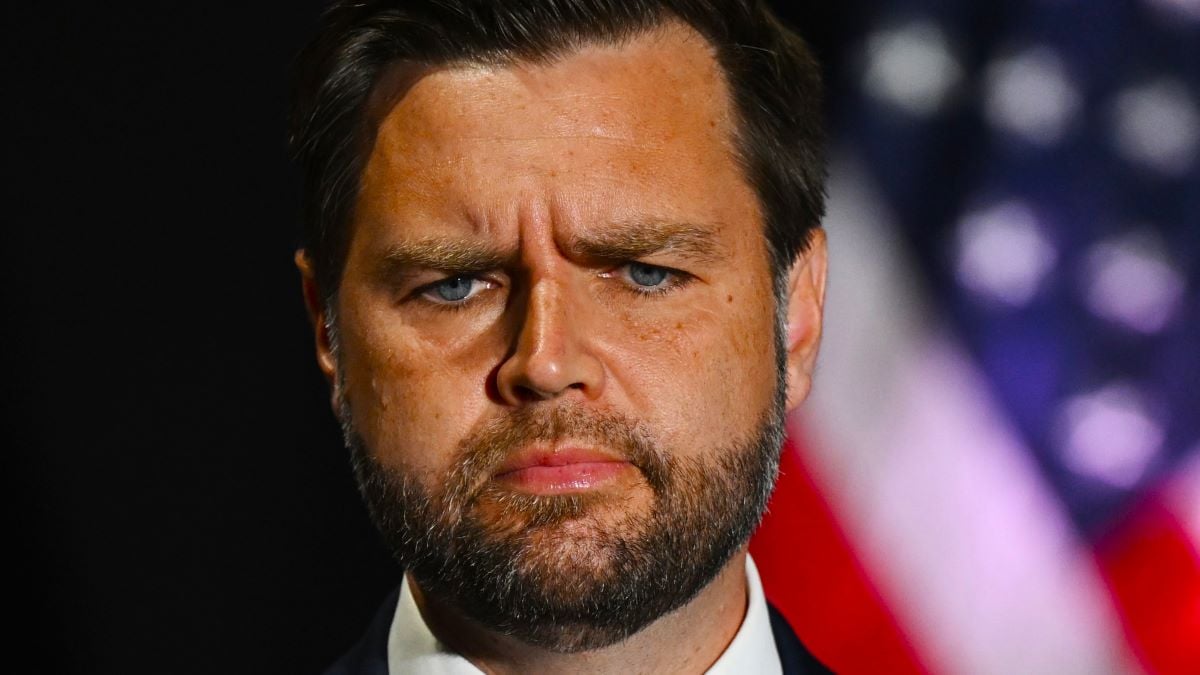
729 299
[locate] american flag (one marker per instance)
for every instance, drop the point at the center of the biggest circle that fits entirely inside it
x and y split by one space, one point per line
999 468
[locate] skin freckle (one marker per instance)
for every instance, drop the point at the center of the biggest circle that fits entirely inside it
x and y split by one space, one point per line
729 299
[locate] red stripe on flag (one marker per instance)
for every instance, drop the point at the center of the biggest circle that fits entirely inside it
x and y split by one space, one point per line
810 573
1153 573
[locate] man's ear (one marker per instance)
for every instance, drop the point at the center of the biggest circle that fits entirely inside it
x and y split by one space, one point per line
317 313
805 302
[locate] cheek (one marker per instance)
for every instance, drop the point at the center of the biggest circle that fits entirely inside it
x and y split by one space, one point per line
413 398
703 375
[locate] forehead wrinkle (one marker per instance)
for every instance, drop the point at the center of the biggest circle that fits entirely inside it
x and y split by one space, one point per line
593 135
538 82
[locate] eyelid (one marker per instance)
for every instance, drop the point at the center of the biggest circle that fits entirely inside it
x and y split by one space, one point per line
423 278
676 278
424 292
624 264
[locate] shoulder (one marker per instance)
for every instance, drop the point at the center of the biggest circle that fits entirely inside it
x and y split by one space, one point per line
793 655
369 655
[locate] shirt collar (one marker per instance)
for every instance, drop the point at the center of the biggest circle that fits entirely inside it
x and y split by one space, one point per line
412 648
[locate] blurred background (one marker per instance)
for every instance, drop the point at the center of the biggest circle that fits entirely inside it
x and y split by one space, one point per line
998 472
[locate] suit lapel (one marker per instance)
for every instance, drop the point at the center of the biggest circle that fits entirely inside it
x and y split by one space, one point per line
793 656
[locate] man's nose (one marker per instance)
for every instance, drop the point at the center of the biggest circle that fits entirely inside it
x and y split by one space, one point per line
551 356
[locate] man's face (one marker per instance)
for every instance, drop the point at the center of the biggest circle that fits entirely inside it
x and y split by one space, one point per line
556 335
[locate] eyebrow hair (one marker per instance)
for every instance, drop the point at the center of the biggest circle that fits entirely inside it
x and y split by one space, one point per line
443 253
621 241
636 239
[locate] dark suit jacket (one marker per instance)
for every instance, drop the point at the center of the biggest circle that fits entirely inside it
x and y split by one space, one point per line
369 656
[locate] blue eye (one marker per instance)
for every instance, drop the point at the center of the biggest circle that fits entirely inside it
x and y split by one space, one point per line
647 275
453 289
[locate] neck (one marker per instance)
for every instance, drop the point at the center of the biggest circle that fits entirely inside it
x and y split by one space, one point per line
688 640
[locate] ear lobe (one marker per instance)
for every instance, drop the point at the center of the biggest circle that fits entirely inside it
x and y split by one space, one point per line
805 304
315 305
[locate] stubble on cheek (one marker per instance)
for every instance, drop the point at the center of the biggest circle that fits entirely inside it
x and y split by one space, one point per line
703 375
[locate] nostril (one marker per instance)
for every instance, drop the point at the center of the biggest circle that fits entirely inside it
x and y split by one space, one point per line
518 381
526 394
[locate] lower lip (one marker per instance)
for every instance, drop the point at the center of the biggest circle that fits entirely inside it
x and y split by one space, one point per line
566 478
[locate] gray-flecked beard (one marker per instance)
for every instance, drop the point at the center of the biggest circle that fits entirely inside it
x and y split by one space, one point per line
546 569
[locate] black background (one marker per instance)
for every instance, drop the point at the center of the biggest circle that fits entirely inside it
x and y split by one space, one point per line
179 496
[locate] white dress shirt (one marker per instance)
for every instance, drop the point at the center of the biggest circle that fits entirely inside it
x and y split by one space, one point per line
412 648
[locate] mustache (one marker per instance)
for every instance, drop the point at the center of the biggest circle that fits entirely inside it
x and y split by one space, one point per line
483 450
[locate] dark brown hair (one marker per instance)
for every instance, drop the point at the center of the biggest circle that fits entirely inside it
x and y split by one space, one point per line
774 81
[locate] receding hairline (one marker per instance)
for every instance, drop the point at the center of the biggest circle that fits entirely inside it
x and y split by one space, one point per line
770 75
397 78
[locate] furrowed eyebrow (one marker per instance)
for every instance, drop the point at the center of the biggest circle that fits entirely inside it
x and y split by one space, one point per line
628 241
450 255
